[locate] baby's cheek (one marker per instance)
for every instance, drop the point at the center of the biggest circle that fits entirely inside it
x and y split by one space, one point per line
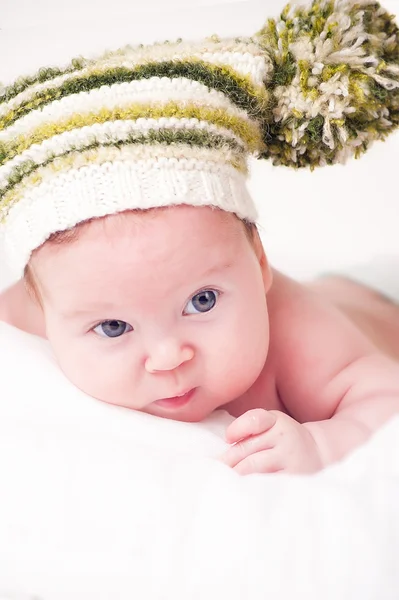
91 372
240 361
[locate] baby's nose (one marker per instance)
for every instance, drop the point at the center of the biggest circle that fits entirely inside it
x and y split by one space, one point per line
168 356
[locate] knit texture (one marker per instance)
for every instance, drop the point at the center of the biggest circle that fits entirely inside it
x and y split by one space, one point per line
175 123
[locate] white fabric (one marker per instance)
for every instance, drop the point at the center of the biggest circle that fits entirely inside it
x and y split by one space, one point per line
100 502
62 200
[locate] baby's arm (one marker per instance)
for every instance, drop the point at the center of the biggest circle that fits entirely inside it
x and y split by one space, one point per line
336 386
332 378
369 397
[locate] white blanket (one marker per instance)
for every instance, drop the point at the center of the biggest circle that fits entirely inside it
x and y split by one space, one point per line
100 502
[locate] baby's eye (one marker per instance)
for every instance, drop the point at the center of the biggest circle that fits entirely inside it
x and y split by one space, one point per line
112 328
202 302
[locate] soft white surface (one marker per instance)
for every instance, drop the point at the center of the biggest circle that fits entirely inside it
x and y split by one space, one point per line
100 502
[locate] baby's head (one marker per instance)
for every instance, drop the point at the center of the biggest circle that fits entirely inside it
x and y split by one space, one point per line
148 305
139 158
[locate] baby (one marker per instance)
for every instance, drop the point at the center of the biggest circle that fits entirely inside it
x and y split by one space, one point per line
125 210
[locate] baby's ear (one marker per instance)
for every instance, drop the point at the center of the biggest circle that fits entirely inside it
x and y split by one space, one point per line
267 273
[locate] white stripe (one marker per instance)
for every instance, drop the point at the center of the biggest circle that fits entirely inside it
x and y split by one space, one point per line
120 95
137 153
100 190
251 63
256 67
111 131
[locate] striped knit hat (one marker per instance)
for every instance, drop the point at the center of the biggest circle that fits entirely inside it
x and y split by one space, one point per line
175 123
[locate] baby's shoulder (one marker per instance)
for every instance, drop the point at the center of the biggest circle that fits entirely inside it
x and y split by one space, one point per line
4 307
288 305
288 300
298 316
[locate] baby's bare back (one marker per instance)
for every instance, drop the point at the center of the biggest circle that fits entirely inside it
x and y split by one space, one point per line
375 315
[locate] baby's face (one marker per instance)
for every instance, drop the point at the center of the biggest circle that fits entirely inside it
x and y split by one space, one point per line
144 309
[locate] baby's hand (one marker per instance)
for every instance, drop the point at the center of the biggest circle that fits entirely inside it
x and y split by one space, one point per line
269 441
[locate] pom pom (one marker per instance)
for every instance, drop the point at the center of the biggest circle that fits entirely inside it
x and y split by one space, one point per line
335 86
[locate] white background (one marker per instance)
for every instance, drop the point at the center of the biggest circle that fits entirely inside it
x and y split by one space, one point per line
330 219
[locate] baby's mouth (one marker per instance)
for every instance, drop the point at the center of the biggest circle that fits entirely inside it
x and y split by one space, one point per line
176 401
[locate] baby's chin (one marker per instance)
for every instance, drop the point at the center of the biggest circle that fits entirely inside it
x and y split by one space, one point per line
191 409
186 415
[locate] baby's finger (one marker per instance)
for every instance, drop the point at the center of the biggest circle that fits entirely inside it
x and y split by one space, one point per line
252 422
266 461
244 448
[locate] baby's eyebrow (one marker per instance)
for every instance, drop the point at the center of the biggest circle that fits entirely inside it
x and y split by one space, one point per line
217 268
73 313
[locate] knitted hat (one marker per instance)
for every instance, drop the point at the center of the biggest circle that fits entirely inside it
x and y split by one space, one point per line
175 123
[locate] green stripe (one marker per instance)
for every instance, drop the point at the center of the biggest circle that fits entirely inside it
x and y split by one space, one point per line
247 131
78 63
43 75
237 88
166 137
